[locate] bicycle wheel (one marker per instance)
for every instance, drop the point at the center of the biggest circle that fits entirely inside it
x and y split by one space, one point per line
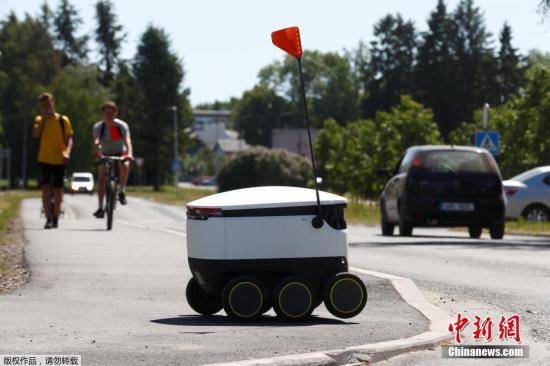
110 194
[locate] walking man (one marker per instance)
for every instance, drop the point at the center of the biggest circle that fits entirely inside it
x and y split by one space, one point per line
55 133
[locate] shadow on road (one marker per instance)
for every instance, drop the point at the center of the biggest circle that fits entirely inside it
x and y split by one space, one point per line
63 229
221 320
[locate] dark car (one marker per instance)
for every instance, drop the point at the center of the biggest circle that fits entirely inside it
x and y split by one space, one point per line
444 186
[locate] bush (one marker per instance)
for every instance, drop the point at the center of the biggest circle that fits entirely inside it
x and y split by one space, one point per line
259 166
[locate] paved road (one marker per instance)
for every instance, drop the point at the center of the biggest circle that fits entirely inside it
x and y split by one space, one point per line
475 277
118 298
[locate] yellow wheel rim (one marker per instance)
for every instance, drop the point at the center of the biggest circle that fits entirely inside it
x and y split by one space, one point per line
332 299
259 292
280 295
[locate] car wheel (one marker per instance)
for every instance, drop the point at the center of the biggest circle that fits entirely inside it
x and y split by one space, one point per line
405 229
387 228
537 213
497 230
475 231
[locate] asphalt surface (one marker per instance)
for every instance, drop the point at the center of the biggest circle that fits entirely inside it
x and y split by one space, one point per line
474 277
118 297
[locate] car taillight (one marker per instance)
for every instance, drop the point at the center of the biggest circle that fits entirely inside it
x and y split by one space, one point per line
511 191
417 162
203 213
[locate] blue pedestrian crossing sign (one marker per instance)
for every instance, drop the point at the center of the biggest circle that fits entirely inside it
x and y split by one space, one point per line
489 140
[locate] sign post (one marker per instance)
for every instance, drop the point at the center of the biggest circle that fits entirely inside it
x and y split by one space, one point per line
288 39
486 139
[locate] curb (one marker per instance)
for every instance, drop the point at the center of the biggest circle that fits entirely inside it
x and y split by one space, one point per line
374 352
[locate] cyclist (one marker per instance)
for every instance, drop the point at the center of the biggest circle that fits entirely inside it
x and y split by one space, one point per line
111 137
55 134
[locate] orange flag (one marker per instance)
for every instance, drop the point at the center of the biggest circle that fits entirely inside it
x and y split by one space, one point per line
288 40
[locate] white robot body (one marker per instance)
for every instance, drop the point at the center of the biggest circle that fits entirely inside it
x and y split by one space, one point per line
264 235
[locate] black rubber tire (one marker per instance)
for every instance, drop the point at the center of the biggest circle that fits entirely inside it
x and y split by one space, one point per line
387 228
110 198
405 229
201 301
294 299
475 231
244 298
497 230
345 284
542 210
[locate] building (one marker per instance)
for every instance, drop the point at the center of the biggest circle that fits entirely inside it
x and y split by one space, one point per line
293 139
210 127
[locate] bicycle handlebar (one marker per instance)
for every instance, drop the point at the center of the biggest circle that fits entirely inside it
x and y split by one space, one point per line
113 158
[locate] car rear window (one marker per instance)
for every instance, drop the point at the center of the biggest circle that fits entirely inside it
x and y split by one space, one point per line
81 179
454 162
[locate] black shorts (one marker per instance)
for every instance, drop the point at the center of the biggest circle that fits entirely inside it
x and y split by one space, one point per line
52 175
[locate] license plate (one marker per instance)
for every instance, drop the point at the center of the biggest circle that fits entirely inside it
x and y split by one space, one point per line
456 206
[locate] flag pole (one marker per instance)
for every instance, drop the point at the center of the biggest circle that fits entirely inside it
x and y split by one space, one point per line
317 221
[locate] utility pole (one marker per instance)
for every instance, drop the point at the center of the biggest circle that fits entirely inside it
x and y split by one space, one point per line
486 116
24 156
174 110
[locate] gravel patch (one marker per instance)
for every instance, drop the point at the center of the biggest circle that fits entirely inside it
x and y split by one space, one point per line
14 272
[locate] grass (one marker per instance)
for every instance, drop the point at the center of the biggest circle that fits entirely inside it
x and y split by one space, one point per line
361 212
526 227
170 194
10 202
11 240
357 212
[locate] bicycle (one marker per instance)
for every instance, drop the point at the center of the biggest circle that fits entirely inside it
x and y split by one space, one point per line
111 184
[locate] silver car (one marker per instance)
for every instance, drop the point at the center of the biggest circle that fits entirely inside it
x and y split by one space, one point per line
528 195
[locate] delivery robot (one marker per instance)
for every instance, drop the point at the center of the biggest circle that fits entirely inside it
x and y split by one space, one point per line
255 248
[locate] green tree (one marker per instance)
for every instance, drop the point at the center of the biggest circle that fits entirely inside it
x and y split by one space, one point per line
29 63
434 76
350 156
330 89
257 113
390 71
544 6
476 66
109 37
523 125
159 75
259 166
537 59
511 72
66 22
407 124
217 105
46 15
79 95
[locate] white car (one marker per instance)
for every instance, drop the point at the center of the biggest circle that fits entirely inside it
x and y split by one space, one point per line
528 195
82 183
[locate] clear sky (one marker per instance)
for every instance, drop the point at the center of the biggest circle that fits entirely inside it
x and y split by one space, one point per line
224 43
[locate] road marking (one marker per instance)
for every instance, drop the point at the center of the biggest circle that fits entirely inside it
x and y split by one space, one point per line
149 227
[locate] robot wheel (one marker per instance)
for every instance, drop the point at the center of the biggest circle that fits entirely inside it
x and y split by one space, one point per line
245 298
199 300
345 295
294 298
